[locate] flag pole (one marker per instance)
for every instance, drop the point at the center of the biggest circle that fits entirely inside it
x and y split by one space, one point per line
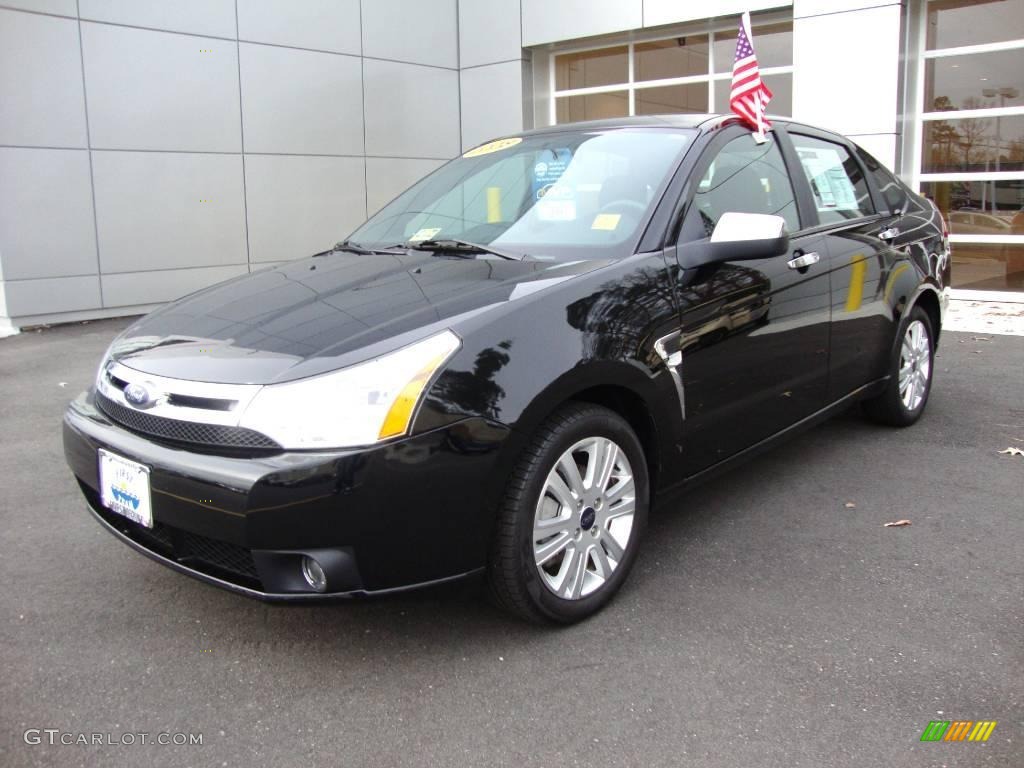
749 96
758 135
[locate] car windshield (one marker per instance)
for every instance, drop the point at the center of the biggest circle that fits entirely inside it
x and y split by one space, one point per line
577 194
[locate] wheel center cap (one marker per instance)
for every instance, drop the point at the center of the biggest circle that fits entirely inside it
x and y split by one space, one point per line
587 518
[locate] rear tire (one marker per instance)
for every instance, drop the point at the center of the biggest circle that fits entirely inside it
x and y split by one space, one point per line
910 374
571 521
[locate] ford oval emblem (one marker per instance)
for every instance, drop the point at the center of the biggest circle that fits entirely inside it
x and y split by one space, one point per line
137 395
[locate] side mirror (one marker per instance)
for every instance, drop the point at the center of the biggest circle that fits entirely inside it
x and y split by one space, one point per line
738 237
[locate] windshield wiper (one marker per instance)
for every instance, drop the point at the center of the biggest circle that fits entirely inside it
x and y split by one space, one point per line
350 247
464 246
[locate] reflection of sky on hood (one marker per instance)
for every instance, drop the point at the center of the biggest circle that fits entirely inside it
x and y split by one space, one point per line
349 306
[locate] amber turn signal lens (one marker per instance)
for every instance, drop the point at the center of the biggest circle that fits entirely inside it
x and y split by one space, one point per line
400 413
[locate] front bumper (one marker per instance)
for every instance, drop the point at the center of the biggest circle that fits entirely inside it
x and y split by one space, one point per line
395 516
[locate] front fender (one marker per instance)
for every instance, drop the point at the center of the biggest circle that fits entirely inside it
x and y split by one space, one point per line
592 338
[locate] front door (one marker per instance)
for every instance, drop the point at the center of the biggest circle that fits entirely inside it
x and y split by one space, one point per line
754 334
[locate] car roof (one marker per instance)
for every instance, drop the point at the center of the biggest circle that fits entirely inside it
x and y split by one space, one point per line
702 122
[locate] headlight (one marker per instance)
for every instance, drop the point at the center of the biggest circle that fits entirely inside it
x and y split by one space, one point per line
358 405
102 367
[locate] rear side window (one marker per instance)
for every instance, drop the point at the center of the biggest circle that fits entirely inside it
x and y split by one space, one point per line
744 177
837 182
893 192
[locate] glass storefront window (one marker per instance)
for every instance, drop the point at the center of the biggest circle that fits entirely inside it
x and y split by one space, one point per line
973 167
692 98
604 66
773 42
675 57
953 23
594 106
980 207
988 266
781 87
975 81
701 60
973 145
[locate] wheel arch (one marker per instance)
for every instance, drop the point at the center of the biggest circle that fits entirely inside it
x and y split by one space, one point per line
635 411
627 389
928 300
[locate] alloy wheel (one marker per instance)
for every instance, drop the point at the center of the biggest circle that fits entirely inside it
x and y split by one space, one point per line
584 517
915 365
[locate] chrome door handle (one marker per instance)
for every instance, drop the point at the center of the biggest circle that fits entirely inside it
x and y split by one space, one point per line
803 261
888 234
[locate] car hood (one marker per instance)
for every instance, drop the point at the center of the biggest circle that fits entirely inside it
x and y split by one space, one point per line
323 313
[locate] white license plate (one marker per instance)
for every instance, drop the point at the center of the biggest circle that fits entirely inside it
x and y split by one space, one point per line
124 488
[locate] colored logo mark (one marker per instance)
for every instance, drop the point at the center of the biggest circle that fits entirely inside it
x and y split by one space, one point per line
958 730
125 498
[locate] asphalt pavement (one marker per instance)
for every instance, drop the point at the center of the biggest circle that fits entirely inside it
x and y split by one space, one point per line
772 619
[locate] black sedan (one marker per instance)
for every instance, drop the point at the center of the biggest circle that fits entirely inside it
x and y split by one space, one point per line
503 369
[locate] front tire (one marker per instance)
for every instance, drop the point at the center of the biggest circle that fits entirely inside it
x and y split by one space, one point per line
572 518
910 375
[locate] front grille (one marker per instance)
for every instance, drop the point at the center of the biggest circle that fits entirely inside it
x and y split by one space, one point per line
216 558
158 538
222 554
191 432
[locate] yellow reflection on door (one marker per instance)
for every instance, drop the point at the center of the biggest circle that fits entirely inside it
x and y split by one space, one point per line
891 282
858 271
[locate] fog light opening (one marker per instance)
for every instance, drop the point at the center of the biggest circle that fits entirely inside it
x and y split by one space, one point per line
313 574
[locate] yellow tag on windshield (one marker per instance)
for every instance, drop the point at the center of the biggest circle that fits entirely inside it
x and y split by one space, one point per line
493 146
606 221
424 234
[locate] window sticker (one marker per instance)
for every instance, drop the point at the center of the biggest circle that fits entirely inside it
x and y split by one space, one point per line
556 210
548 169
493 146
558 203
424 234
606 221
832 188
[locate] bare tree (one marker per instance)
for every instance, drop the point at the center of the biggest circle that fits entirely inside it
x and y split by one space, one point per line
972 132
941 136
1015 153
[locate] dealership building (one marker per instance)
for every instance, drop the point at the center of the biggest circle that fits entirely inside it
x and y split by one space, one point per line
150 148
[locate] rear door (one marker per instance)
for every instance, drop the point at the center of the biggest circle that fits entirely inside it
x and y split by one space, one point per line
754 334
861 260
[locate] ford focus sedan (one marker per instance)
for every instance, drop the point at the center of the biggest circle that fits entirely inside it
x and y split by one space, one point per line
502 370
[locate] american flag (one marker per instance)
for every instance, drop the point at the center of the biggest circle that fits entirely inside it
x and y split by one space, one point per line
749 96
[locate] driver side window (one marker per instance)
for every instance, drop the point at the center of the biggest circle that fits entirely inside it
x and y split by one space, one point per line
744 177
